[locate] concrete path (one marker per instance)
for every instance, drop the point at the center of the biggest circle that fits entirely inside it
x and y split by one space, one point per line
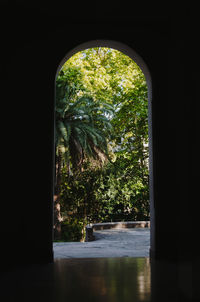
130 242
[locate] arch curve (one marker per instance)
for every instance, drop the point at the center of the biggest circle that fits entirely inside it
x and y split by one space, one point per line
130 52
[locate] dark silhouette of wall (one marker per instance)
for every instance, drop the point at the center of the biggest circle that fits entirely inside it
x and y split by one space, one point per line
34 40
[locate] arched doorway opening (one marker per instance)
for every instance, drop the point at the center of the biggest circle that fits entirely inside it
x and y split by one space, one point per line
140 62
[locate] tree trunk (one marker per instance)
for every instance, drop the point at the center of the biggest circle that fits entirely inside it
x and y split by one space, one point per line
57 218
57 212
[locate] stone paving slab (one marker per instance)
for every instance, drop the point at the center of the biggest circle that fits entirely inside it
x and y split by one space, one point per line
131 242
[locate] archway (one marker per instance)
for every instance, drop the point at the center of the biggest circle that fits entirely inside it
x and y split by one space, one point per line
140 62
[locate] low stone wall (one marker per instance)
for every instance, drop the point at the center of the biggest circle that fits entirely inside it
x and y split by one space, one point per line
113 225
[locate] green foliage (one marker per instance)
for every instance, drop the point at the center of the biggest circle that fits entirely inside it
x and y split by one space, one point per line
102 112
102 195
78 195
82 127
73 230
123 195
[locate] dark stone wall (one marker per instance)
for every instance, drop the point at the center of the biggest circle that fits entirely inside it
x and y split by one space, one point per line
34 40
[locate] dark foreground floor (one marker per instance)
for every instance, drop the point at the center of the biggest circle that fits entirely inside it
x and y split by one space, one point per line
97 280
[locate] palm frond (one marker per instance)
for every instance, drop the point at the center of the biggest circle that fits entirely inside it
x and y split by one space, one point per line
63 130
83 126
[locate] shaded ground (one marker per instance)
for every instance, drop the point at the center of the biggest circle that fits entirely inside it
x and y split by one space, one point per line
130 242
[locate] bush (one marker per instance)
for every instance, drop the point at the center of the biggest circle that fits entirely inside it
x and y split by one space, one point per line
102 195
73 230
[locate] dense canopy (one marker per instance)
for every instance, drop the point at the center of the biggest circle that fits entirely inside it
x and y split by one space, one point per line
101 140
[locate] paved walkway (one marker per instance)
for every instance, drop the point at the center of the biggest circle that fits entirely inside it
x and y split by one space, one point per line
130 242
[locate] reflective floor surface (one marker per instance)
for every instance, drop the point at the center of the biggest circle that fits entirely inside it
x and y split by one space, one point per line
98 280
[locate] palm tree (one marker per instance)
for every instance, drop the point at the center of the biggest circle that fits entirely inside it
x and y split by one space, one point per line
82 129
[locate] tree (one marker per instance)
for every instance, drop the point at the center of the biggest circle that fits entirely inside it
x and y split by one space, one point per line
82 129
